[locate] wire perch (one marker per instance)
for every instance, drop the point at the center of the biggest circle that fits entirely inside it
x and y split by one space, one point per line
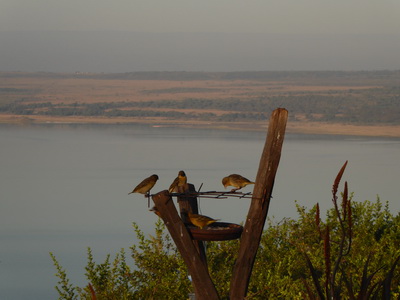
212 194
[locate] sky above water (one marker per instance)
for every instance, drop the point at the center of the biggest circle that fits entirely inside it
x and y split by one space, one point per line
289 16
177 35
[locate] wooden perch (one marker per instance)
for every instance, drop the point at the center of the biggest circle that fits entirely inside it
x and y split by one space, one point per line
193 252
257 214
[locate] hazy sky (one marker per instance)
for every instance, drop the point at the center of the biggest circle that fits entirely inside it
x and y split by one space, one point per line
207 35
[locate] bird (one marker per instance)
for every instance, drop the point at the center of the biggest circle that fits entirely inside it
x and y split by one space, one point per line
200 220
155 210
146 185
179 181
236 181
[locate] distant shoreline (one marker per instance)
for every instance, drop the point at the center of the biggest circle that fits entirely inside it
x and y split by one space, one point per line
334 103
292 127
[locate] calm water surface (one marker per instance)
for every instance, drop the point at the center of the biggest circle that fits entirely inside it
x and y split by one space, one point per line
65 188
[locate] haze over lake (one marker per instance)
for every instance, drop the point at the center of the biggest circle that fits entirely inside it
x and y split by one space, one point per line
122 51
65 188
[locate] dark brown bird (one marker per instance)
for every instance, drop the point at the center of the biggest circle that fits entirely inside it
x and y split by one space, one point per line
200 220
179 181
236 181
146 185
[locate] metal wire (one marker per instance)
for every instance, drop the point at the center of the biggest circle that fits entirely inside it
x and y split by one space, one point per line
212 195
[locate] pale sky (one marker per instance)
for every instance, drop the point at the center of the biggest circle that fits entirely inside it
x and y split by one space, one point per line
231 32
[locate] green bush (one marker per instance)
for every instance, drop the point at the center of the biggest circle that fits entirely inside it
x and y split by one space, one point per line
352 253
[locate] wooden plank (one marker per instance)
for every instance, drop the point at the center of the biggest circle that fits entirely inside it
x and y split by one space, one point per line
258 210
204 287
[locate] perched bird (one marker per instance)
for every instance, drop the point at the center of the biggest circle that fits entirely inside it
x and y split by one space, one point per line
236 181
155 210
179 181
200 220
146 185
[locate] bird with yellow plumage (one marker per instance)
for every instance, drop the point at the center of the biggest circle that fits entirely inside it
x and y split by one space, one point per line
146 185
200 221
236 181
180 181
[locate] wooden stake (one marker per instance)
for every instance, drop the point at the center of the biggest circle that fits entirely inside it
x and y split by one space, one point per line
204 287
190 204
258 211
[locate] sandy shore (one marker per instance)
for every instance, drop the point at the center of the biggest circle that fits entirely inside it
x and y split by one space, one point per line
292 127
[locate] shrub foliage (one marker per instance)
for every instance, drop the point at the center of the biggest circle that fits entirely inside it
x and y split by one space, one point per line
351 253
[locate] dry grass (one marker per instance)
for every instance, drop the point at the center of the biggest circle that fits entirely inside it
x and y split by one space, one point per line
85 90
82 90
292 127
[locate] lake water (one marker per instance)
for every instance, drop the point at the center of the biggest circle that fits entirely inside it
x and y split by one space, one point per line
65 188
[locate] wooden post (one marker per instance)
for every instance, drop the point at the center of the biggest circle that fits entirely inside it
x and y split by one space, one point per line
258 210
204 287
186 204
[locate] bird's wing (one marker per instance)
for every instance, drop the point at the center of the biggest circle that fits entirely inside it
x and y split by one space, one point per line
173 185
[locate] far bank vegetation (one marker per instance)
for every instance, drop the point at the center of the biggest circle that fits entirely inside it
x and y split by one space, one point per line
359 98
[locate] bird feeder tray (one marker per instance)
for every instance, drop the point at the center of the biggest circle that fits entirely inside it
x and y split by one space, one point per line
218 231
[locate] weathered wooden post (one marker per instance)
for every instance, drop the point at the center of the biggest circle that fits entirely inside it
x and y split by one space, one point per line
192 250
203 285
188 202
257 214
